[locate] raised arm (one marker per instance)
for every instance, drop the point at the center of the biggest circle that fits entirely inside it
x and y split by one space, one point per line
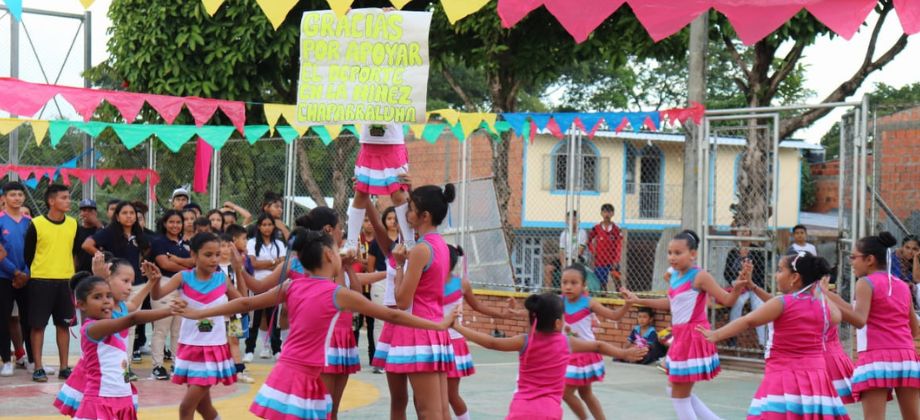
159 290
663 304
507 312
106 327
632 354
244 214
350 300
153 275
380 231
611 314
236 306
705 282
857 314
766 313
515 343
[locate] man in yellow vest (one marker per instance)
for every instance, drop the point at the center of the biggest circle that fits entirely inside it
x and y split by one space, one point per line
49 249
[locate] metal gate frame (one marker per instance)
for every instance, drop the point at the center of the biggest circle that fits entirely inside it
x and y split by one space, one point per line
851 218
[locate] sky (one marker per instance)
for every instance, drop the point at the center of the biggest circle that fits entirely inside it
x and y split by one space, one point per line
829 62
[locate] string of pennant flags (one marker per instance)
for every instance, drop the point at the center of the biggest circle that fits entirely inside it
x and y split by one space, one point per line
24 98
752 19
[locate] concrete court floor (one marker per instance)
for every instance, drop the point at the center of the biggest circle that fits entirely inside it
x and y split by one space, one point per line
628 392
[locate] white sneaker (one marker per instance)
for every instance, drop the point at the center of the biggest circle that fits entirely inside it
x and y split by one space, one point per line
247 358
50 370
22 362
145 349
7 369
266 353
244 378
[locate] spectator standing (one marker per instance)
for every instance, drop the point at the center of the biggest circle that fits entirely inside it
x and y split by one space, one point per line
110 208
14 272
604 242
266 251
572 243
124 238
734 263
172 256
180 198
363 266
800 241
49 248
89 225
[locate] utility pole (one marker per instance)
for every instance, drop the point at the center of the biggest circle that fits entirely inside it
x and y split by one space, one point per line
696 89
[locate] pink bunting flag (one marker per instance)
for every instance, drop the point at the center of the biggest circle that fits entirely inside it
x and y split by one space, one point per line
236 112
622 126
83 175
580 18
554 129
84 101
662 19
203 153
680 115
752 23
909 14
127 104
512 11
201 109
20 98
168 107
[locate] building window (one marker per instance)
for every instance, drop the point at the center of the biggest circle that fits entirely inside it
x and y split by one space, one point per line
650 182
589 168
629 172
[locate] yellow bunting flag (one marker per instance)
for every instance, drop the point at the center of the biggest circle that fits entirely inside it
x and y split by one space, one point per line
470 121
450 115
87 3
211 6
490 118
7 125
417 130
459 9
340 7
334 131
299 128
39 129
275 111
399 4
276 10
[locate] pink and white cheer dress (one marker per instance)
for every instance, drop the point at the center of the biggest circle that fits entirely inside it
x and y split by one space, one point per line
583 368
691 358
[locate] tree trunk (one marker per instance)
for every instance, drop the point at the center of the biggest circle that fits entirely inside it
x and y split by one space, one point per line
342 165
306 175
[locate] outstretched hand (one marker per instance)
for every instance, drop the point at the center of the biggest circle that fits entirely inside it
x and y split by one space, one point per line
400 254
629 296
450 319
513 308
151 271
100 267
710 335
634 354
179 307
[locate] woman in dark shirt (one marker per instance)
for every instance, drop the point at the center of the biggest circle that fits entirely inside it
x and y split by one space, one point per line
171 256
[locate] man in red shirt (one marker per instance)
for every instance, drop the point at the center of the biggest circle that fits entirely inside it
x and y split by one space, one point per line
604 242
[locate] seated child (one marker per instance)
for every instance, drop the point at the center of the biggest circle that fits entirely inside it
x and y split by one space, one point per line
644 335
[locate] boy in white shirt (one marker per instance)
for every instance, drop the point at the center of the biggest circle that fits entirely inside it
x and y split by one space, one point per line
800 237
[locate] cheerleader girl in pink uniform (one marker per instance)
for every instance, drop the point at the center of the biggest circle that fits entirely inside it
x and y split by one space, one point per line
691 358
107 394
294 389
382 161
203 358
584 368
544 357
796 384
119 274
458 290
882 310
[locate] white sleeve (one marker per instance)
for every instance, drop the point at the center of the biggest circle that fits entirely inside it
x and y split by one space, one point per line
582 237
562 240
251 246
811 248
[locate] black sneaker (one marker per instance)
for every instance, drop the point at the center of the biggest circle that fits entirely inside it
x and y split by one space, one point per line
159 373
136 356
167 355
64 373
39 376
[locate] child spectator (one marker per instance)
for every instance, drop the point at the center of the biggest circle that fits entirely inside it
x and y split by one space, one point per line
800 241
604 242
645 335
202 225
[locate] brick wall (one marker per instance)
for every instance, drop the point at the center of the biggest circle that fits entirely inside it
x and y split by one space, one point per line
899 172
438 163
826 186
614 332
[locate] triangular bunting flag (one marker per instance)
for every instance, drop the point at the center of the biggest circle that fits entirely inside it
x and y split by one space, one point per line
132 135
57 129
216 135
458 132
399 4
449 115
84 101
254 132
15 8
167 106
432 132
582 19
201 109
211 6
459 9
276 10
334 131
322 133
87 3
127 104
274 111
417 130
541 120
39 129
175 136
7 125
469 122
512 11
517 121
286 132
340 7
565 120
553 127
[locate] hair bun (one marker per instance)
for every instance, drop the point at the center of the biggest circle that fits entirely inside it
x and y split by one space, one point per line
532 303
450 193
887 239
